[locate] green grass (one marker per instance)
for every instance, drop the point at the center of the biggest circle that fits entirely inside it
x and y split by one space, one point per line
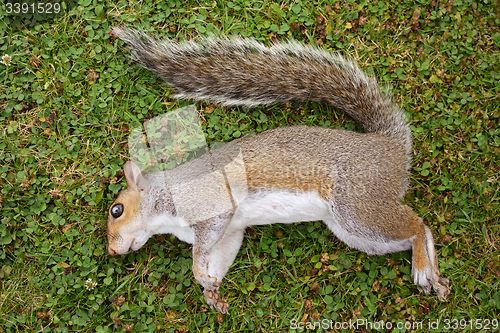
71 95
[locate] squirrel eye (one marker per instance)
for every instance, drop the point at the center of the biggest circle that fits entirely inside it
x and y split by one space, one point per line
117 210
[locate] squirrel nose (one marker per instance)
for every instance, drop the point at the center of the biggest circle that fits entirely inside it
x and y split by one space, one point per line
112 252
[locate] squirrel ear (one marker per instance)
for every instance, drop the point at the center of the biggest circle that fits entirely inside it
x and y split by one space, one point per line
135 179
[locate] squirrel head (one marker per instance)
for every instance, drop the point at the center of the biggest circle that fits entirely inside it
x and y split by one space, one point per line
126 224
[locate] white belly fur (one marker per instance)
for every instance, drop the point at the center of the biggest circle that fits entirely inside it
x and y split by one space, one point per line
269 207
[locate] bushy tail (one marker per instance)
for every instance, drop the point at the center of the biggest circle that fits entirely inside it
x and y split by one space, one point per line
241 71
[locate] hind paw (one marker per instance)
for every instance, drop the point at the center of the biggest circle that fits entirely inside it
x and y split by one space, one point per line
442 288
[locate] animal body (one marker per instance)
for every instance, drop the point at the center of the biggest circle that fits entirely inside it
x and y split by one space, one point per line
353 182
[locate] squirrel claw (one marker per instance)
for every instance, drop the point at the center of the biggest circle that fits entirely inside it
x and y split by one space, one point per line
214 301
442 289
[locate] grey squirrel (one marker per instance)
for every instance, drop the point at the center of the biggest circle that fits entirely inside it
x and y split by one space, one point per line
353 182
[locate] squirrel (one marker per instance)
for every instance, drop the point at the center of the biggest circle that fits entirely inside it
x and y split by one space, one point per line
353 182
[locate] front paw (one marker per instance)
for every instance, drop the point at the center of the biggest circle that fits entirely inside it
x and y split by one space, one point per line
214 301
